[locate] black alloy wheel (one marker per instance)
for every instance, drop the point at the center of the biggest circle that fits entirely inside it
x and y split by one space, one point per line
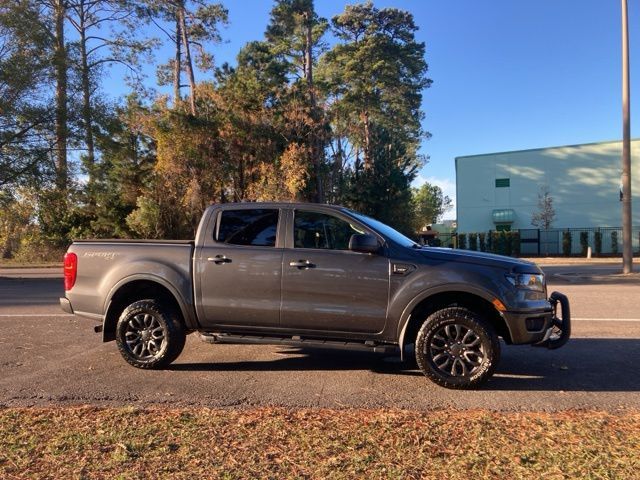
456 348
149 335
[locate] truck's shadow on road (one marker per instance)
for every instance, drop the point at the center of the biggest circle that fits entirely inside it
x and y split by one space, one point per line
584 364
591 365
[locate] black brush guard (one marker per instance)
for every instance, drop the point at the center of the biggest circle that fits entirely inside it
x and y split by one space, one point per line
560 331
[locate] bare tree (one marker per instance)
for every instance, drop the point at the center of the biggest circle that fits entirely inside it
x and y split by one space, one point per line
546 214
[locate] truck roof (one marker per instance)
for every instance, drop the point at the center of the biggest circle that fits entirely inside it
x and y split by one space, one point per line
275 205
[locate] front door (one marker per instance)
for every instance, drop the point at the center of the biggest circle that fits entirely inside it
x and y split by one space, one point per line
240 270
327 287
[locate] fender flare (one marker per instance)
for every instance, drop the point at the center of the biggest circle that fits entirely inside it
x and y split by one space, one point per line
183 304
405 317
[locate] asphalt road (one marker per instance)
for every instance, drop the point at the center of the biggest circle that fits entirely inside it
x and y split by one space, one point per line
48 357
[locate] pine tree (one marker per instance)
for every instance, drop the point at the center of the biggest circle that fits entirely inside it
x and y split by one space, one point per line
26 95
374 78
196 23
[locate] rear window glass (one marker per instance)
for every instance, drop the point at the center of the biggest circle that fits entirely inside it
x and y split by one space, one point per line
257 227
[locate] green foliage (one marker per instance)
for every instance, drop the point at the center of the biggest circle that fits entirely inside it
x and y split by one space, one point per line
614 242
429 204
202 20
377 71
373 79
566 243
482 238
462 241
384 190
26 120
584 243
502 243
515 243
473 241
490 241
16 222
295 27
145 220
35 224
294 120
598 241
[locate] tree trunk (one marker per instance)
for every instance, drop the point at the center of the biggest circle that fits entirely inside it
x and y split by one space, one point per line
316 141
367 140
86 95
60 63
308 57
187 59
177 64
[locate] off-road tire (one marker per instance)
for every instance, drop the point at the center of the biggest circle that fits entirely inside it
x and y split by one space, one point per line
443 351
147 326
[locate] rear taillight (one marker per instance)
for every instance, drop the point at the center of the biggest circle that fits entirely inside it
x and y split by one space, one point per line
70 270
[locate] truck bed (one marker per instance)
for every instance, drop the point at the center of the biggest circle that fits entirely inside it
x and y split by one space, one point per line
127 240
103 265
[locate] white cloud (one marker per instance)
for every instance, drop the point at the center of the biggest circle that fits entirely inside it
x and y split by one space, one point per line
448 187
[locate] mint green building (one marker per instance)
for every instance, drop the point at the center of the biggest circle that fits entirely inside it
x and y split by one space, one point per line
499 191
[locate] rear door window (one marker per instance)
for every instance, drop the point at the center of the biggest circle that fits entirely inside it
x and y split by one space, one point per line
256 227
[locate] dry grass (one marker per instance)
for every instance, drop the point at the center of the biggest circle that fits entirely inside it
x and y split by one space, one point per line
86 442
4 263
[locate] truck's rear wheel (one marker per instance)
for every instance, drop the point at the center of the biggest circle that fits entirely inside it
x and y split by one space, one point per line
149 335
457 349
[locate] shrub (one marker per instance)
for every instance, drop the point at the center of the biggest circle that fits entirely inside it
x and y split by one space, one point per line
495 242
35 248
501 243
614 242
566 243
483 241
598 242
515 243
473 241
584 243
462 241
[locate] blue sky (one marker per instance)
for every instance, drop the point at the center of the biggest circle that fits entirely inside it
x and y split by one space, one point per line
507 74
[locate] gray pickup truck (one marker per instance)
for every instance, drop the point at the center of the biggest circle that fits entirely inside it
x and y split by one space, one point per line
312 275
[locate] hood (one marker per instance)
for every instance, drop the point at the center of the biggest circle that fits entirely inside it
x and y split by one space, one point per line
515 265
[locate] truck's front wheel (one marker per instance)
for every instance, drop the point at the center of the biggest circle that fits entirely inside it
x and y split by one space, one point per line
457 349
149 335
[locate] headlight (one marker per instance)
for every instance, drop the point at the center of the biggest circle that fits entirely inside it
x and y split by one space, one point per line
527 281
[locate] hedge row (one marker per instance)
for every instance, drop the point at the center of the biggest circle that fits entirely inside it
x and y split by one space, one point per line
504 243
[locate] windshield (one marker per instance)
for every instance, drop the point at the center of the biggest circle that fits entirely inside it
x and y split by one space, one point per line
384 230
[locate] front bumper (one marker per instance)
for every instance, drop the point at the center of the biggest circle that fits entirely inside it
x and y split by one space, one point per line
545 328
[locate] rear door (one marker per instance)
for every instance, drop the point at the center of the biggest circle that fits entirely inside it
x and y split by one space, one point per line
240 269
327 287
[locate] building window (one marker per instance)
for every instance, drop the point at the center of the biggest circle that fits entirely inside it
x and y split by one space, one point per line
502 182
503 228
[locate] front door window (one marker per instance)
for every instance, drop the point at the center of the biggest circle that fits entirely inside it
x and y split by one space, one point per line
321 231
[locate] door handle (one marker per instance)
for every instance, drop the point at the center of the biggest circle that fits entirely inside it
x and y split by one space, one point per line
302 264
219 259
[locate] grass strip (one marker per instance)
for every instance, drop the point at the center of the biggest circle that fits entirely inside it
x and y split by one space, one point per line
128 442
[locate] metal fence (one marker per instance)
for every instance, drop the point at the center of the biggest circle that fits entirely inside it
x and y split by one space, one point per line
560 241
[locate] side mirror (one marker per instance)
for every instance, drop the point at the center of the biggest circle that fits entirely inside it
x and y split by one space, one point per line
364 243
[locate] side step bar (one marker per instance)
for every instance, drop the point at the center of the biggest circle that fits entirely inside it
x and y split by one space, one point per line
297 341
